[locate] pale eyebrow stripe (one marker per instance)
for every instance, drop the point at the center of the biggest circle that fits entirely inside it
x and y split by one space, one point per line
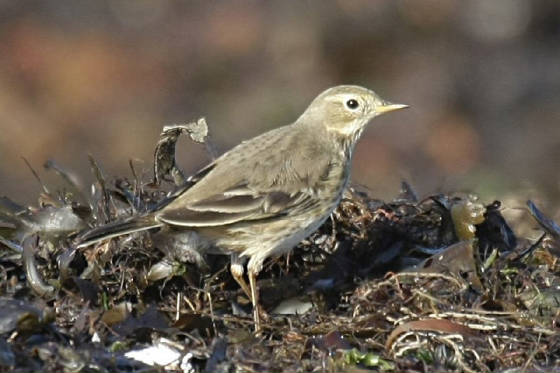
343 96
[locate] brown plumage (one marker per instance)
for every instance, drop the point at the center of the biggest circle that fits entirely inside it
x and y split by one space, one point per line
268 193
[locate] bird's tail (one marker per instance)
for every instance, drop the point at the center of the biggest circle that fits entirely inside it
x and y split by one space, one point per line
117 228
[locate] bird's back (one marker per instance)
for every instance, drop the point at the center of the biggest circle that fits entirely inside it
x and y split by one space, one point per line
258 170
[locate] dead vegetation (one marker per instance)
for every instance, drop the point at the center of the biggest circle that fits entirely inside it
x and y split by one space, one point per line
438 284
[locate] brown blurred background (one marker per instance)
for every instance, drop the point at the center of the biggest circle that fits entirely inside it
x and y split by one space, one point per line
104 77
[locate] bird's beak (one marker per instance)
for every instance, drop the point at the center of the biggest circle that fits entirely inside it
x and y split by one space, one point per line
389 106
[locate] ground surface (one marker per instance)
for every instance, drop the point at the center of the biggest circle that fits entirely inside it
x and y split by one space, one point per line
434 284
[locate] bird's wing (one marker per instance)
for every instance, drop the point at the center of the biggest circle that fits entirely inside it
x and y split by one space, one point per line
257 180
237 204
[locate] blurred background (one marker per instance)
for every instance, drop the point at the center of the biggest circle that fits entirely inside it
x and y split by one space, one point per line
104 77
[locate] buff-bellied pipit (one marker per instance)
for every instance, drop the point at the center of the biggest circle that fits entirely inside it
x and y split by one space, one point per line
267 194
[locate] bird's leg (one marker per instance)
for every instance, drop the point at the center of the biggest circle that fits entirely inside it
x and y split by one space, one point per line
253 269
255 299
237 270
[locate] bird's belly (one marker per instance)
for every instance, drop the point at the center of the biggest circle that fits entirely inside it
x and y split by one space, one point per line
259 241
292 240
279 237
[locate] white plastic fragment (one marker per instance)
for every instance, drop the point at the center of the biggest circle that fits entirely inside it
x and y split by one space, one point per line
163 353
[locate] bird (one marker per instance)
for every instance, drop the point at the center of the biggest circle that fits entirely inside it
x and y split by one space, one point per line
267 194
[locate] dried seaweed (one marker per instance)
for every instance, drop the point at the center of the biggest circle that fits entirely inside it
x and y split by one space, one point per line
439 283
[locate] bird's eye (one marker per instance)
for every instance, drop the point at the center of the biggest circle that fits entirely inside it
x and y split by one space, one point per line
352 104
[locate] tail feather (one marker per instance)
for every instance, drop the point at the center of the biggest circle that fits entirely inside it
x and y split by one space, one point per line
117 228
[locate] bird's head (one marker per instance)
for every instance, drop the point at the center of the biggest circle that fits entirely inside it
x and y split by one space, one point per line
345 110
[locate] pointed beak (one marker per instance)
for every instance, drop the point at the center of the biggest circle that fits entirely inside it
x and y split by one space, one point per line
389 106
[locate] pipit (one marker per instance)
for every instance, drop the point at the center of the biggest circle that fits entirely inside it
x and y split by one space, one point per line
269 193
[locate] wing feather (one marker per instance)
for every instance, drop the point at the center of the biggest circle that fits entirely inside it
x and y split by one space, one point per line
226 208
247 184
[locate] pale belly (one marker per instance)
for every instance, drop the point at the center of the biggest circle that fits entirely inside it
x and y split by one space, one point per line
291 232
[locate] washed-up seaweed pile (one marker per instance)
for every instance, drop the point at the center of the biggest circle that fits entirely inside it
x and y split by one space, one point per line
434 284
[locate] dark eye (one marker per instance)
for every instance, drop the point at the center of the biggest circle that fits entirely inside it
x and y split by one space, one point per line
352 104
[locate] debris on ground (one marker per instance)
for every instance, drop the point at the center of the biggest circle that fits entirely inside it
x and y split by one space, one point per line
440 283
